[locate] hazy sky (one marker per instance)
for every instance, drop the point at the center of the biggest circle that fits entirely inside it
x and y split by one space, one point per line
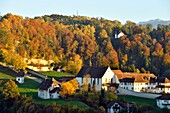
122 10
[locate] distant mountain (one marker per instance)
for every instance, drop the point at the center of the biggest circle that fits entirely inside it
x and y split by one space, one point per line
155 22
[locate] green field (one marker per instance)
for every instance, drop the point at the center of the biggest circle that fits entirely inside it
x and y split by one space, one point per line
54 74
61 102
30 87
140 100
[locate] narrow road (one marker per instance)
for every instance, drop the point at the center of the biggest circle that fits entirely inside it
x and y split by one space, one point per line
36 73
34 78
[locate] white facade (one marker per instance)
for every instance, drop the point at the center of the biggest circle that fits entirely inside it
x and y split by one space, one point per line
137 86
54 95
120 34
20 79
45 94
108 77
163 103
49 89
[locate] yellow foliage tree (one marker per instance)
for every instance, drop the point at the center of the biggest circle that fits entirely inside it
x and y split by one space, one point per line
74 64
13 59
68 88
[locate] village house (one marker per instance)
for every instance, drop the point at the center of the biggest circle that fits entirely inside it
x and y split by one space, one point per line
163 85
100 77
138 82
116 106
163 101
119 35
20 76
49 89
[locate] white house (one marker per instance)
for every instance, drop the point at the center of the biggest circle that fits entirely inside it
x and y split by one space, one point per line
137 81
163 101
20 76
117 106
119 35
100 77
49 89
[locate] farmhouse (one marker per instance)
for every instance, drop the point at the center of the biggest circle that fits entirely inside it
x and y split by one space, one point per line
163 101
49 89
137 81
20 76
117 106
100 77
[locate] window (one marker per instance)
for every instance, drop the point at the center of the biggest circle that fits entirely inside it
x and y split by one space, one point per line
82 80
98 81
106 80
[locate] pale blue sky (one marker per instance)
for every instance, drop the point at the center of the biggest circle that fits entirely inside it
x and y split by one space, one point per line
122 10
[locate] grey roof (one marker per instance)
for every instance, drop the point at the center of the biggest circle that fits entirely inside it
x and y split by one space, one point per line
93 71
20 73
164 97
129 80
57 89
47 83
121 103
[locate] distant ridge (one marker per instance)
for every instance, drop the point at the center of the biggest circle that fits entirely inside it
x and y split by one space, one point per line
155 22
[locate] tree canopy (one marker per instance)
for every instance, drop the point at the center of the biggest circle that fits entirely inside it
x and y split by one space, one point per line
92 39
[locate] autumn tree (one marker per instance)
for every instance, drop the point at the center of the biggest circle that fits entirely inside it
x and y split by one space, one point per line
74 64
10 90
13 59
68 88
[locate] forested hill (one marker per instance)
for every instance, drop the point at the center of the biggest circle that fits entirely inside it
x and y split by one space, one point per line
74 40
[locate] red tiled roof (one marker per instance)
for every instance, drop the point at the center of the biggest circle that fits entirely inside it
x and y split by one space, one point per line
117 71
138 77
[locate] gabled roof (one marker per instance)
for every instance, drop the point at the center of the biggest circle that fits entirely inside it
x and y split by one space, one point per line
20 73
48 83
56 89
163 86
129 80
94 72
164 97
138 77
163 80
117 71
121 103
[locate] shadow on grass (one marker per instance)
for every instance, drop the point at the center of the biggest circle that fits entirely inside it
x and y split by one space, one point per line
36 99
29 84
7 71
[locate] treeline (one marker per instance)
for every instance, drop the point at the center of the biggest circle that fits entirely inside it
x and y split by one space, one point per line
90 41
